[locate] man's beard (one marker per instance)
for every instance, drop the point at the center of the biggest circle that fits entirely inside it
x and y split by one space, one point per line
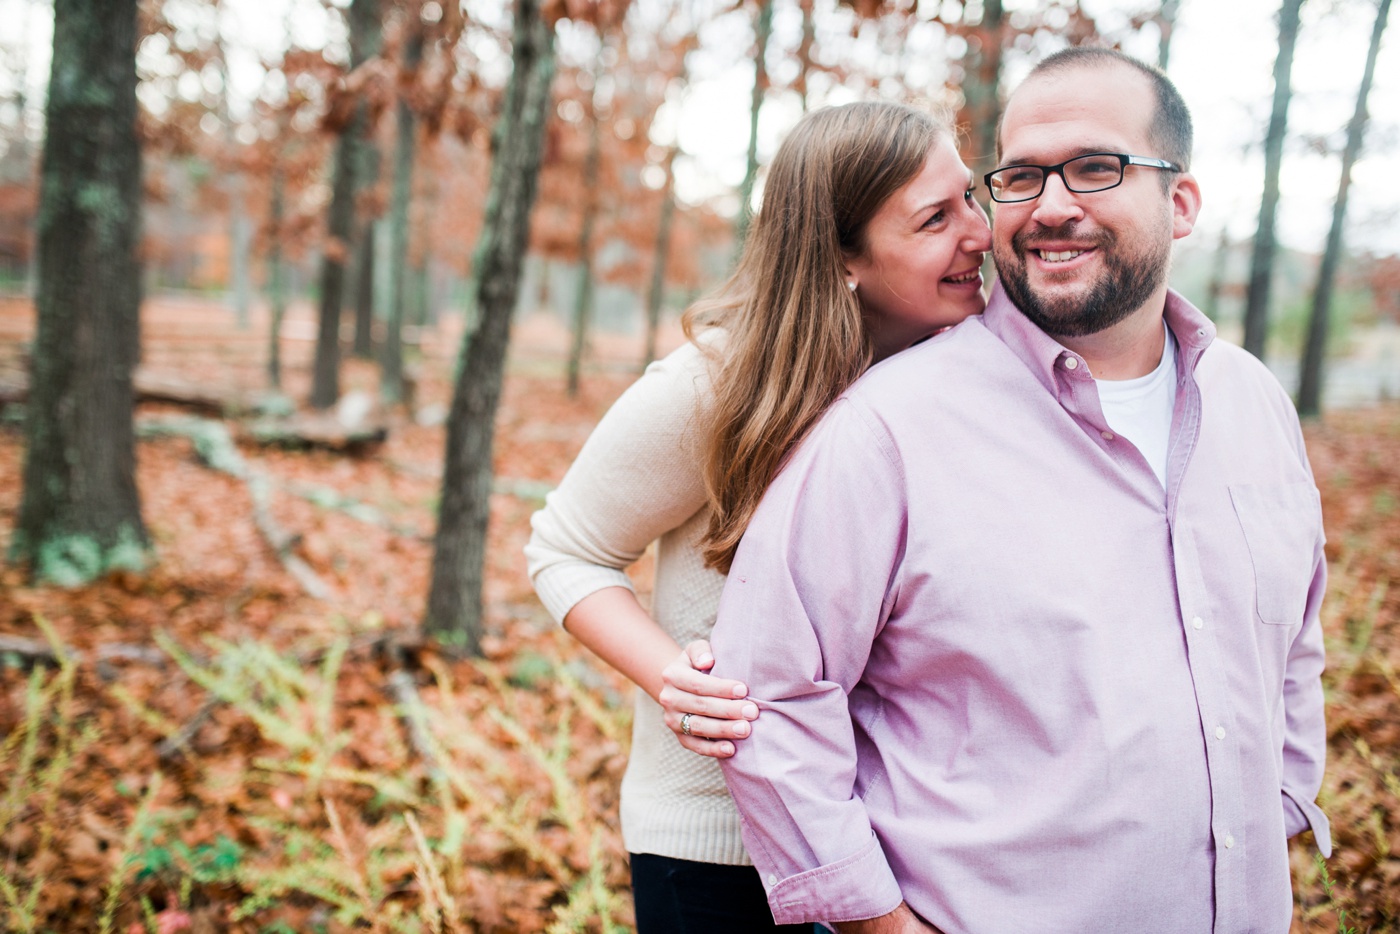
1128 281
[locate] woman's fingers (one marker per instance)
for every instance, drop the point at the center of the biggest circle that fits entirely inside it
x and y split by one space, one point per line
677 702
715 749
709 728
700 656
682 675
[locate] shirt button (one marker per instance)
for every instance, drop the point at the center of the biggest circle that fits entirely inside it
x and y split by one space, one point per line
1071 363
1107 435
1220 732
773 880
1229 841
1197 622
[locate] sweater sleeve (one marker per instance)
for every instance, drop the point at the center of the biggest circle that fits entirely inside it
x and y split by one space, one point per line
637 477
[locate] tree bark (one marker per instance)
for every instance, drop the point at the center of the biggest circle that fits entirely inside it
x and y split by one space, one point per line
1315 349
583 297
80 512
657 291
363 345
454 612
1216 284
763 29
240 233
981 91
276 282
1166 25
391 386
367 163
1261 269
325 381
423 313
804 50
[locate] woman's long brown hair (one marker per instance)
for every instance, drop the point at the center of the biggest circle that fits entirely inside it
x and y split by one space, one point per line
795 338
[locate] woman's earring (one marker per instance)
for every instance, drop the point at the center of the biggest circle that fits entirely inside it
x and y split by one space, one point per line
851 285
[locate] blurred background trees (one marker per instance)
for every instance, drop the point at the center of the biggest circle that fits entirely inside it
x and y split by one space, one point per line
321 168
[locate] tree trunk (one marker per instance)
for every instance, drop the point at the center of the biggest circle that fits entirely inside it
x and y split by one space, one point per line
422 293
804 50
424 308
763 28
325 383
656 292
80 512
367 163
454 612
391 381
1166 25
981 91
1216 284
240 245
276 283
1261 269
240 234
363 346
583 298
1314 351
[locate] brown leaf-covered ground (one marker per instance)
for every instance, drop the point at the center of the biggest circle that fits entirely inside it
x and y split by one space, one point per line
305 801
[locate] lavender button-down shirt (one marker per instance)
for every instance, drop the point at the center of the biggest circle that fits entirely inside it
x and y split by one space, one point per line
1006 679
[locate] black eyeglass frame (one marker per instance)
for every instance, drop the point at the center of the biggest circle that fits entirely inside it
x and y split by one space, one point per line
1124 160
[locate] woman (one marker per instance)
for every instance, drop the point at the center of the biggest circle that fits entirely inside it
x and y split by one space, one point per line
868 241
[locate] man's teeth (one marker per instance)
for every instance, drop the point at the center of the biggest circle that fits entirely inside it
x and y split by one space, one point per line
1059 257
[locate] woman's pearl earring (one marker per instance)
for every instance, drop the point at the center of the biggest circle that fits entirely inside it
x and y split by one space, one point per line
851 286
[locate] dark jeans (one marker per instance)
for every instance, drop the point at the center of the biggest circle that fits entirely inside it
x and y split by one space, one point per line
680 896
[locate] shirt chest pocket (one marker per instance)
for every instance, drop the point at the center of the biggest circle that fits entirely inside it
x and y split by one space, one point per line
1282 524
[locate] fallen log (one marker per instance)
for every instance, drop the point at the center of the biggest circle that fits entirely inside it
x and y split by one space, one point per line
153 386
37 652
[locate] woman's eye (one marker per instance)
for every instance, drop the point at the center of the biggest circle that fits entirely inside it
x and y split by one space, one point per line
936 218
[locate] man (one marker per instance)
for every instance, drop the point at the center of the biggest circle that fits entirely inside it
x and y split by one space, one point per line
1033 614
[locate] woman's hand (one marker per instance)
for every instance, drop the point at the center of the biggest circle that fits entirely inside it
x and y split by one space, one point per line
713 708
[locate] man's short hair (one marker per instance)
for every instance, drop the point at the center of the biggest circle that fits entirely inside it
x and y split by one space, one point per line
1171 124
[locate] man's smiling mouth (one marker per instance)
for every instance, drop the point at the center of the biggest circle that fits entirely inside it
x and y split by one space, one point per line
1060 256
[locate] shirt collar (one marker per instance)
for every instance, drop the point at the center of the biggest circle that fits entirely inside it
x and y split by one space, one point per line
1042 354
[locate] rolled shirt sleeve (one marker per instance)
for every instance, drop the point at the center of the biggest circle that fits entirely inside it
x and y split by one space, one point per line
809 590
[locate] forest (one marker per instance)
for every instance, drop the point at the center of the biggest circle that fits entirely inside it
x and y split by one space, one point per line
305 306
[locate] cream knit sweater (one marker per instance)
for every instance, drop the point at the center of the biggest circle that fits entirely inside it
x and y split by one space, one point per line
637 480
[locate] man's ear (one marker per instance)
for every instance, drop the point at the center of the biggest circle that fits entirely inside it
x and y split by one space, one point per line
1186 204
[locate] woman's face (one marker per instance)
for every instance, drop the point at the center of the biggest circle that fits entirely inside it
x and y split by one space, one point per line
921 270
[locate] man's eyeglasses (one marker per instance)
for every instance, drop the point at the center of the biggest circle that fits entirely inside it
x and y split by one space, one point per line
1097 171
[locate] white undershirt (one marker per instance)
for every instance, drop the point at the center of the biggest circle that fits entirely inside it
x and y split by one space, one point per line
1140 409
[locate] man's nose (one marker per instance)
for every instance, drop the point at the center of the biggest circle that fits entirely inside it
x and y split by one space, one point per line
1056 204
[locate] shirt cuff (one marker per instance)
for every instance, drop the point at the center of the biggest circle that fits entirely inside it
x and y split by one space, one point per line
1306 815
858 887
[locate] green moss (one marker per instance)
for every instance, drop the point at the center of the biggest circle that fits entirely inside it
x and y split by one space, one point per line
68 560
128 554
103 203
75 559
